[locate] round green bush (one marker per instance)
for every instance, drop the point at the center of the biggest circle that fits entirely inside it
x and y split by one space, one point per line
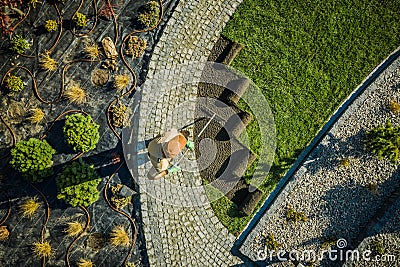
77 184
80 19
33 159
149 14
81 133
384 141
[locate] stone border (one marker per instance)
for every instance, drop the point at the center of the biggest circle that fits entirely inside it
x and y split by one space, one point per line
288 182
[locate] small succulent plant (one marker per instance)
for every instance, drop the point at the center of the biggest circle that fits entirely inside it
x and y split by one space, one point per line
18 44
80 19
51 25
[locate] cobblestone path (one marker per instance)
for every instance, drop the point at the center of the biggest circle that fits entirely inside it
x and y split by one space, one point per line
179 224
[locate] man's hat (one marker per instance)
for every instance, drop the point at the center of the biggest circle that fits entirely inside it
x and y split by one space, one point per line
174 146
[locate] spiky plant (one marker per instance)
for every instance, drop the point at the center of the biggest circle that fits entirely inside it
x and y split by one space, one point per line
47 63
74 228
119 236
18 44
51 25
394 106
92 50
121 81
4 233
29 207
42 249
37 115
85 263
76 94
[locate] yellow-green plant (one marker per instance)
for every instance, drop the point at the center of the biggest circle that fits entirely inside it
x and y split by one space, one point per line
345 162
135 46
74 228
92 50
85 263
47 63
121 81
4 233
295 216
14 83
18 44
42 249
29 207
270 242
51 25
81 132
37 115
119 236
76 94
80 19
120 115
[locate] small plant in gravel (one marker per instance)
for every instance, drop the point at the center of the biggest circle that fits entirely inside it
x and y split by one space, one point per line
18 44
344 163
394 106
47 63
384 141
14 83
119 237
295 216
4 233
121 81
77 184
81 133
76 94
42 249
135 46
51 25
74 228
92 50
33 159
29 207
80 19
120 115
373 187
149 14
378 246
37 115
270 242
85 263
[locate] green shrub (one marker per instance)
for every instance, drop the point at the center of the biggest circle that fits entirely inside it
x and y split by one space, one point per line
18 44
149 14
384 141
77 184
51 25
33 159
80 19
14 83
81 133
270 242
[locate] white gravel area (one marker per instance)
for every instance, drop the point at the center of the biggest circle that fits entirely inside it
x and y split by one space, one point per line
337 200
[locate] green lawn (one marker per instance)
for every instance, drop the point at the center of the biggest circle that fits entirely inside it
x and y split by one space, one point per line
306 56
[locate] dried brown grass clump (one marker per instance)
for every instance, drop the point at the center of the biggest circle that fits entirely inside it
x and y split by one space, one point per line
42 249
29 207
4 233
76 94
47 63
119 237
121 81
37 115
74 228
92 50
85 263
135 46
